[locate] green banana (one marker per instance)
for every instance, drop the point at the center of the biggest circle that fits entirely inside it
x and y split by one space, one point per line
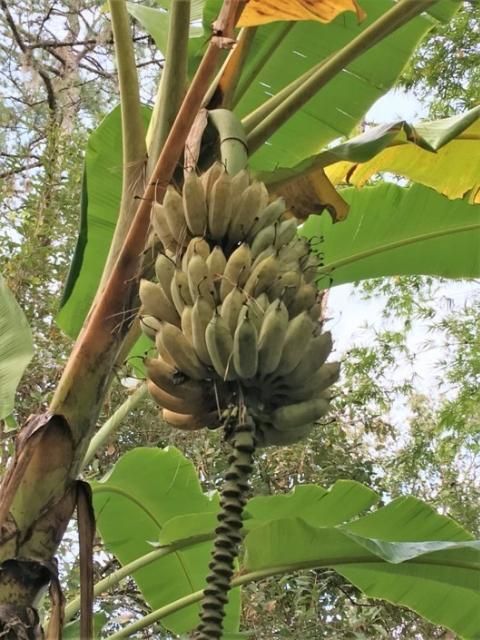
268 216
265 238
257 307
272 337
171 340
245 347
168 378
231 306
219 343
294 251
150 325
186 323
164 270
196 246
160 227
326 375
156 303
236 269
293 416
180 291
174 214
318 351
202 313
310 267
303 300
251 202
175 402
240 183
287 230
216 263
194 204
262 277
210 176
220 206
268 435
285 286
199 281
297 341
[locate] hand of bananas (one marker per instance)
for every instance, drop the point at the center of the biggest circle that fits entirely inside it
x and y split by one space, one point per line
233 312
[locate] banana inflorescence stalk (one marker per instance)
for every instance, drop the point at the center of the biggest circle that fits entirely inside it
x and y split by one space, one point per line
234 316
228 532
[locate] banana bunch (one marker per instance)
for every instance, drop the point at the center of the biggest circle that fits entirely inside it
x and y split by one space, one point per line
233 312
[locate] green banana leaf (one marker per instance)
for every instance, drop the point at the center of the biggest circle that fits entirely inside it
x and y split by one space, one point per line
71 631
405 553
393 230
443 154
155 21
132 513
101 193
16 348
154 497
315 505
337 108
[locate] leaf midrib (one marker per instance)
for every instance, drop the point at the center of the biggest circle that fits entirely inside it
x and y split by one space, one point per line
390 246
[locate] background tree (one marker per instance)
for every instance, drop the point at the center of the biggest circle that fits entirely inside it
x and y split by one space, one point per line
443 72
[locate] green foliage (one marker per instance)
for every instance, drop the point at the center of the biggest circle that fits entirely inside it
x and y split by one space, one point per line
388 232
434 457
337 108
444 72
102 186
315 505
155 22
71 631
16 348
153 496
414 139
404 552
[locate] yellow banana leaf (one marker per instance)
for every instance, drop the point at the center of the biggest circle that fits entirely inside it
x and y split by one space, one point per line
453 170
259 12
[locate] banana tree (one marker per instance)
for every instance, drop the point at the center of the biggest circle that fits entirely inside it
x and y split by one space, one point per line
295 82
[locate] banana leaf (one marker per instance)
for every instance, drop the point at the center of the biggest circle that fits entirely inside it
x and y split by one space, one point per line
338 107
393 230
16 348
101 193
404 552
442 154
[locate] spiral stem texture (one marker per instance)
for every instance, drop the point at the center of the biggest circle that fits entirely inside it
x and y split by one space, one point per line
228 532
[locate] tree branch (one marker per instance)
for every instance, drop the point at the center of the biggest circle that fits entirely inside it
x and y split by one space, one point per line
55 44
52 102
11 172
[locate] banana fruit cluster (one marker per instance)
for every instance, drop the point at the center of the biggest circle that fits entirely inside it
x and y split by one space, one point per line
234 311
